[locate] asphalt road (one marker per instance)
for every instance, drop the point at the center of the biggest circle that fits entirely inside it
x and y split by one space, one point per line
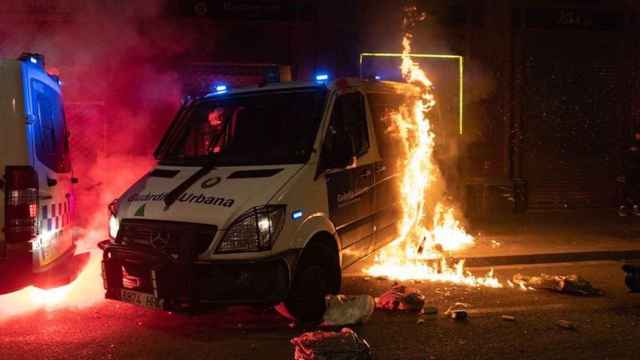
607 327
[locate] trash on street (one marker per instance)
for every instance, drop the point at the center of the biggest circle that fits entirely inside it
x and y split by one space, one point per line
568 325
458 311
632 276
347 310
569 284
328 345
401 297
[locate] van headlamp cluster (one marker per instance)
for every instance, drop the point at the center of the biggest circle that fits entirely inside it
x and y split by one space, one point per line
255 230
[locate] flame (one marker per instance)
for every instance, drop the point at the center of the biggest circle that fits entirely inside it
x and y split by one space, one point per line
427 231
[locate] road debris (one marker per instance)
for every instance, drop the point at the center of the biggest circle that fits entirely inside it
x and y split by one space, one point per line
348 310
632 277
458 311
400 297
569 284
459 315
329 345
508 318
568 325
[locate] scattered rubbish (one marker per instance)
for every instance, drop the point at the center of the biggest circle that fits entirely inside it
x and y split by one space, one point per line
329 345
566 324
508 318
459 315
632 277
458 311
569 284
400 297
348 310
456 306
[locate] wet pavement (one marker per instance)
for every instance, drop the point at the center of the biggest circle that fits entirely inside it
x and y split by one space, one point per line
606 327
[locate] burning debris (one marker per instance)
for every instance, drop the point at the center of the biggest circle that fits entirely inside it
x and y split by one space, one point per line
569 284
343 345
429 230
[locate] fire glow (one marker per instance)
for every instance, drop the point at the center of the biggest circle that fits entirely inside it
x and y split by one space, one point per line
427 231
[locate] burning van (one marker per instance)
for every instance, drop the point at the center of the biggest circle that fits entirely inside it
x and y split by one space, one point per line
36 187
260 195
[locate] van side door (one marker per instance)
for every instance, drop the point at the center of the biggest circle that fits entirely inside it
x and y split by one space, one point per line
349 188
388 169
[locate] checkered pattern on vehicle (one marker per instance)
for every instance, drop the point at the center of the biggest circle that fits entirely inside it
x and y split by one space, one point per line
55 216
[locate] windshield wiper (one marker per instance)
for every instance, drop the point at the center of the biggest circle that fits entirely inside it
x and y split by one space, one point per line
172 196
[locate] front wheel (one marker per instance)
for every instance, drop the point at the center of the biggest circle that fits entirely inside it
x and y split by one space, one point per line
317 274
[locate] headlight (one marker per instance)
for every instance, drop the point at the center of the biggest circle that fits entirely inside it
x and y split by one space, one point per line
114 223
255 230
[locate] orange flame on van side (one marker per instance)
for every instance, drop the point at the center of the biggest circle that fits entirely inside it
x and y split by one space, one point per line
420 249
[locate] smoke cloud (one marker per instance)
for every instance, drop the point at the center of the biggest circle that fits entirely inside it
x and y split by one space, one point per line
117 63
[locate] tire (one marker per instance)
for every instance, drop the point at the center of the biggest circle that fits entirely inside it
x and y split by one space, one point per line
317 275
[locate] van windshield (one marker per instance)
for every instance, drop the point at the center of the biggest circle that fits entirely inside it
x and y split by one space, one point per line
265 128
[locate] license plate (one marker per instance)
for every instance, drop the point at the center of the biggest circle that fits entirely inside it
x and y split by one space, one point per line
141 299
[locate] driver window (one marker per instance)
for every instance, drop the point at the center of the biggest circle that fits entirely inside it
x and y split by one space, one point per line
349 117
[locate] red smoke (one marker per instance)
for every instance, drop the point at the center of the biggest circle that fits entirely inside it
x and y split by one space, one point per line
120 91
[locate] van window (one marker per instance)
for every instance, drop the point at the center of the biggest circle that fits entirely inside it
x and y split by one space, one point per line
348 114
262 128
52 143
382 106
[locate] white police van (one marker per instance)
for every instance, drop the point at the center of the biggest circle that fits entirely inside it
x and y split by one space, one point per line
260 195
36 182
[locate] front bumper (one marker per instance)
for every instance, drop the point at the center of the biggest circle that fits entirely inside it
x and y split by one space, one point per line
189 284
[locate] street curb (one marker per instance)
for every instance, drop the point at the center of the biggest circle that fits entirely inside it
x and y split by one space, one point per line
551 258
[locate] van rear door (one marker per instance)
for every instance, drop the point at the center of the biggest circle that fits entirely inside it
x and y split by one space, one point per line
50 154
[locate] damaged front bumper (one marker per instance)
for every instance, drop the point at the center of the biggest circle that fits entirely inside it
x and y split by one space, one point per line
171 282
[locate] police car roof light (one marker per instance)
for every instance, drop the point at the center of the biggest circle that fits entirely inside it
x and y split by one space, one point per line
36 59
322 77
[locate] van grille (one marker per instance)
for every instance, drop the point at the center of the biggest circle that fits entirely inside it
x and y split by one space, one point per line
173 238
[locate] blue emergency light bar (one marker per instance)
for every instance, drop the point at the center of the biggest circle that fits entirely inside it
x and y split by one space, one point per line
322 77
221 88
